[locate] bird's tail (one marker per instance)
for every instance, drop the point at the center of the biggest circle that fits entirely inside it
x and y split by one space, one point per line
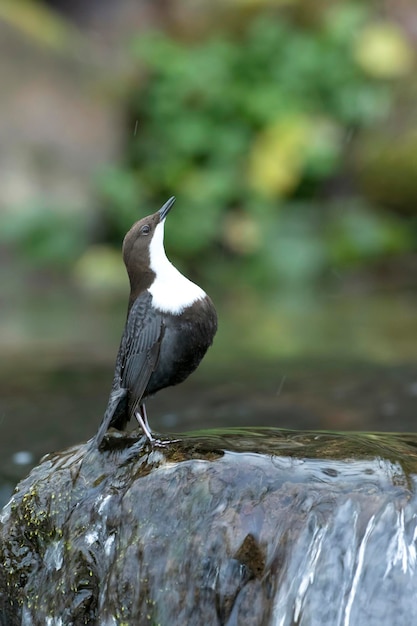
117 397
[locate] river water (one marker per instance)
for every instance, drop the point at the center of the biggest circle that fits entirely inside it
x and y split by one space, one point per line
338 363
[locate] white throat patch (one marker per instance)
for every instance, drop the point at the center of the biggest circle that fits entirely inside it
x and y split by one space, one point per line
171 291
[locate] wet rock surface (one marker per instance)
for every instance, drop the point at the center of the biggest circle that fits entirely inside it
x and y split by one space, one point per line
245 526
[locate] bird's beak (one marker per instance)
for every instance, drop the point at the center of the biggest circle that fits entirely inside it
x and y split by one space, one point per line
163 211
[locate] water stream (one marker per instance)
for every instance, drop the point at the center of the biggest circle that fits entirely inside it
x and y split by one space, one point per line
241 527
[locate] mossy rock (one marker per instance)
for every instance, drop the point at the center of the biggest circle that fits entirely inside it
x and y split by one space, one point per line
239 527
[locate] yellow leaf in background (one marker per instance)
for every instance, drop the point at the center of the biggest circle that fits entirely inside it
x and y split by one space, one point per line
383 51
241 233
100 269
277 156
39 23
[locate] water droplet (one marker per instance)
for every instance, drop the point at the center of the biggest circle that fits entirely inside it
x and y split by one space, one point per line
23 457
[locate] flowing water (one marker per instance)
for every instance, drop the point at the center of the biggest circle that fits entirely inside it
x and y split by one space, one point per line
248 527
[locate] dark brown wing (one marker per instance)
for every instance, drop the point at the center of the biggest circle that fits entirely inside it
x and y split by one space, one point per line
136 361
140 347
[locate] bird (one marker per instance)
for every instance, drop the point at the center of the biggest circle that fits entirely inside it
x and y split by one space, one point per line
170 324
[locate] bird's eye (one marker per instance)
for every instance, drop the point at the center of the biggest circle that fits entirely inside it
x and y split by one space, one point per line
145 230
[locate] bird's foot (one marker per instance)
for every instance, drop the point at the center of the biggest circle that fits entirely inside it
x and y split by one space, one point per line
162 443
154 442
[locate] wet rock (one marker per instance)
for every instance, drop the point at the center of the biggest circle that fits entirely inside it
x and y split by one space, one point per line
240 527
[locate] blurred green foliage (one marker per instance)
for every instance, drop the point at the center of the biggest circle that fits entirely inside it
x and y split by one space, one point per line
47 236
255 128
248 130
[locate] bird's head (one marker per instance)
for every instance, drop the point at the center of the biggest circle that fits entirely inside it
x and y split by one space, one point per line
143 248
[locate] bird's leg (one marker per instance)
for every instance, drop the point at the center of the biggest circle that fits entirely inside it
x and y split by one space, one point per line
144 414
142 418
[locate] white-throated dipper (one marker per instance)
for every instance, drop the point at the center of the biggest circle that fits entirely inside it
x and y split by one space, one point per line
170 324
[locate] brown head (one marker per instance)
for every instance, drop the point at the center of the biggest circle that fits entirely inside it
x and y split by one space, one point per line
141 247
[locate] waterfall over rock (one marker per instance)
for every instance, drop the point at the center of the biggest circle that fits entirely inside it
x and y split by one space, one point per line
256 527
